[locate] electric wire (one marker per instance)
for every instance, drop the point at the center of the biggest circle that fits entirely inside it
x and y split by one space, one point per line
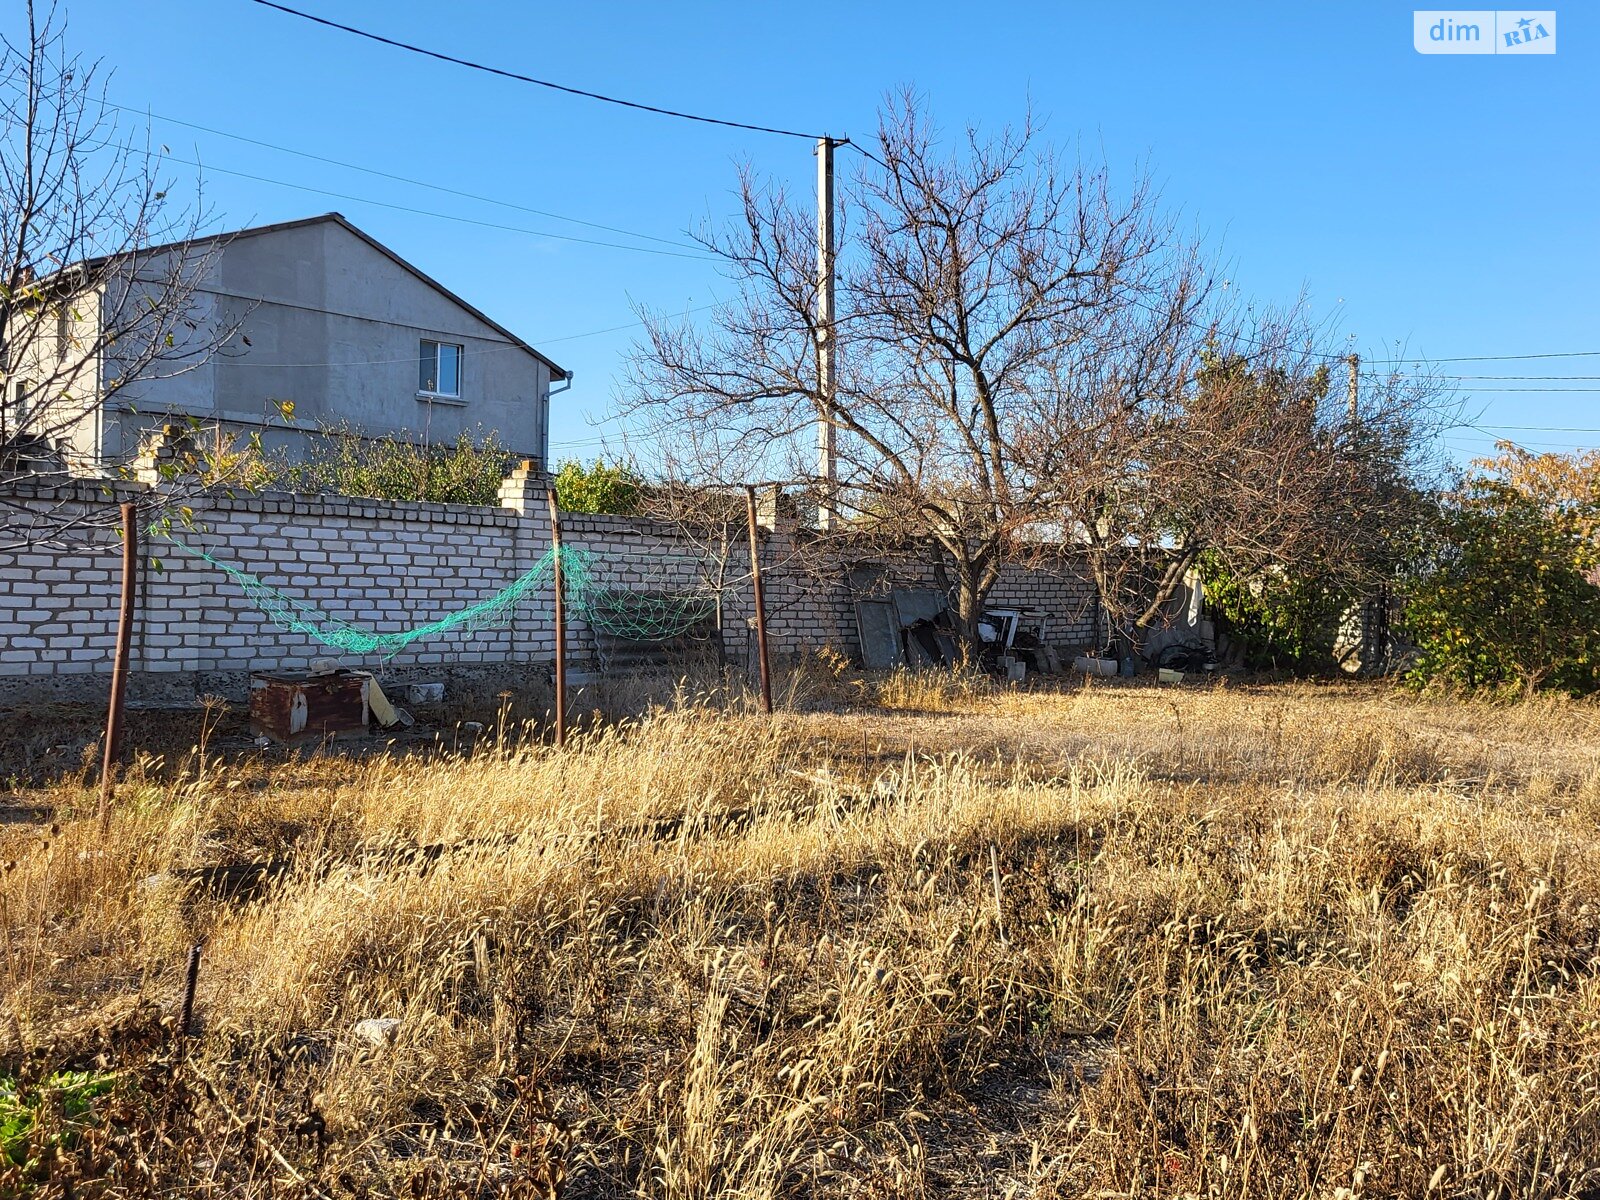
443 216
1390 362
242 360
630 325
863 150
422 183
1460 445
521 78
1541 429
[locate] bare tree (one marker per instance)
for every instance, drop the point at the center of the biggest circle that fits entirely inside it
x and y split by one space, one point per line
1034 361
99 283
977 283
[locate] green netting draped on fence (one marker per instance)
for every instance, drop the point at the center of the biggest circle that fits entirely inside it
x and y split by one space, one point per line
622 613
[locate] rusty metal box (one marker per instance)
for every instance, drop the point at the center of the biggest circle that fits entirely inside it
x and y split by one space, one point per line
296 706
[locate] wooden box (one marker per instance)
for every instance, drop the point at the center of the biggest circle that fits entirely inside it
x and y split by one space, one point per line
296 706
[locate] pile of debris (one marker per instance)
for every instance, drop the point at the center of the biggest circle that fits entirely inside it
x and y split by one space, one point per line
291 707
914 627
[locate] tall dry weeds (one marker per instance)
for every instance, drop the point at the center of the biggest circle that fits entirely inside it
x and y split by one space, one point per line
1122 941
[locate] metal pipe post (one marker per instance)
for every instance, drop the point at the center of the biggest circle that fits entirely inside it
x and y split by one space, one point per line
119 665
760 600
191 978
560 620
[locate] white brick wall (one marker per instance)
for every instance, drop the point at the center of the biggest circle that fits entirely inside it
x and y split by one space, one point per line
391 566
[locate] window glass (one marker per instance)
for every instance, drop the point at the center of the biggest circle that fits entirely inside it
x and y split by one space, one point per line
449 370
428 367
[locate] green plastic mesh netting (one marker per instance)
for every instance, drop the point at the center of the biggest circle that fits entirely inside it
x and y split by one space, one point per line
622 613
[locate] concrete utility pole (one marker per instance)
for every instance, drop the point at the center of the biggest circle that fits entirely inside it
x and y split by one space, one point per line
827 470
1355 383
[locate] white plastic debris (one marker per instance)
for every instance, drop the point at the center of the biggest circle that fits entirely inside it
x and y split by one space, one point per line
377 1031
388 715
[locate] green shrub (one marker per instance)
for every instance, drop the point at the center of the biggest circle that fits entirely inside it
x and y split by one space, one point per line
600 488
340 462
1278 621
1506 596
27 1133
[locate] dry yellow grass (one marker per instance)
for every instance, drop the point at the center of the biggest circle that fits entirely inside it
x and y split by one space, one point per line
1127 941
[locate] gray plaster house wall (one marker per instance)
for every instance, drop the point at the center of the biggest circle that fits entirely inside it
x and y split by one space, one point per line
335 329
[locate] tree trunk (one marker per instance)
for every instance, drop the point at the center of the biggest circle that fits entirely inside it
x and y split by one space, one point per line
974 581
1104 612
1175 572
969 608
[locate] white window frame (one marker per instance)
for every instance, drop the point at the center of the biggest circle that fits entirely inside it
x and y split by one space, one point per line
437 343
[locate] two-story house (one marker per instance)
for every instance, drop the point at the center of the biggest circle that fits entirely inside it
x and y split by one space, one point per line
332 329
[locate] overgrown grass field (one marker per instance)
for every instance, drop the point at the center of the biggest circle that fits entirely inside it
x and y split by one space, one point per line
950 941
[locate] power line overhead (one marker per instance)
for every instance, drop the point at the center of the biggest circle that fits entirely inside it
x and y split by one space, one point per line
443 216
521 78
422 183
1392 362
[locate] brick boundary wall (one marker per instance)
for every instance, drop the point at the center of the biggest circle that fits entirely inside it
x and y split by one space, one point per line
388 566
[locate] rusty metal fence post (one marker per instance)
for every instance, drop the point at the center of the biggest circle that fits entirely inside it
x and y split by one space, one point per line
560 620
760 600
119 665
191 978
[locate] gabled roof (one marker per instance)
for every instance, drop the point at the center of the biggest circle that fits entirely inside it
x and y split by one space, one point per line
339 219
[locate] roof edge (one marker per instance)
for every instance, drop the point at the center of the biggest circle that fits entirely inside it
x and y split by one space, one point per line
341 220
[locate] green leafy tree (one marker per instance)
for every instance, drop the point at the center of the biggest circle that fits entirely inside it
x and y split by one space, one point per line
602 487
1506 595
341 462
1277 620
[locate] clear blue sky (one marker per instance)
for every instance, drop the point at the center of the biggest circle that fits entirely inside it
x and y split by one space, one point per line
1444 204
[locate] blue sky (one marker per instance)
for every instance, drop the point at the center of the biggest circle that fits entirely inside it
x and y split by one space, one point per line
1442 204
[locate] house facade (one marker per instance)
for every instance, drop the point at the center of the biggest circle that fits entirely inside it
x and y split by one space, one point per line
332 329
